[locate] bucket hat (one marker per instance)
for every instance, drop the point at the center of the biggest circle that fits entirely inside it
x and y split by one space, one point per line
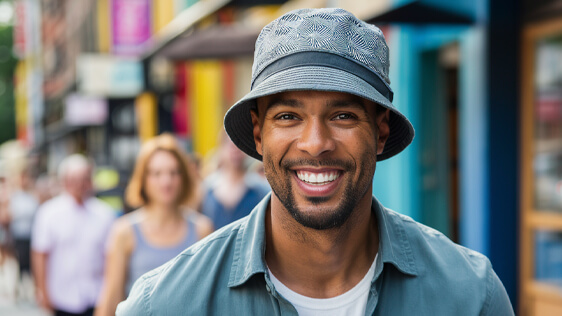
321 50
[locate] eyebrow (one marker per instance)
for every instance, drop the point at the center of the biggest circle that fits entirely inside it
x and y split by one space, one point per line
354 103
283 102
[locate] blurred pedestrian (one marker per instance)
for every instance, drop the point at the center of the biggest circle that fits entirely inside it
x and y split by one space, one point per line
22 207
9 271
320 116
162 184
232 191
4 212
67 241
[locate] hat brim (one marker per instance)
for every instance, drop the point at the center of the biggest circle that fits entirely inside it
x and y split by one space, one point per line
238 121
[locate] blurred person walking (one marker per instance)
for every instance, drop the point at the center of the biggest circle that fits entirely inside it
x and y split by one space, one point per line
9 272
162 184
22 207
232 191
68 241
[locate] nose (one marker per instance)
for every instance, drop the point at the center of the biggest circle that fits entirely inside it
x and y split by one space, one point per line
316 138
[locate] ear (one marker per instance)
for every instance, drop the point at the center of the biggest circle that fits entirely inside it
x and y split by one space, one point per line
383 129
256 131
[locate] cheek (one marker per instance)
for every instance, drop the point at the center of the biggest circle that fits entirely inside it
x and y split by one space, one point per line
277 141
149 185
177 183
357 141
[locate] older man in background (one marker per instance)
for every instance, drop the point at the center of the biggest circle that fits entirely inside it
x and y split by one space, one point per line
68 241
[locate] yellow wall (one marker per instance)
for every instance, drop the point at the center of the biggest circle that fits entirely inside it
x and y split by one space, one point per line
205 91
147 115
104 26
21 102
162 14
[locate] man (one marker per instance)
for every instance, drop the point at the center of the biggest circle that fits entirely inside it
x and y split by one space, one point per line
320 116
68 242
232 191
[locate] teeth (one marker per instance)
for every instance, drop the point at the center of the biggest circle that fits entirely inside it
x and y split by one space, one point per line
312 178
317 178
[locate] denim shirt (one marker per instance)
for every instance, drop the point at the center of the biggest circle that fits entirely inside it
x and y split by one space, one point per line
419 271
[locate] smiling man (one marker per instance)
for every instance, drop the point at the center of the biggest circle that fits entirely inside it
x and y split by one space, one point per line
320 115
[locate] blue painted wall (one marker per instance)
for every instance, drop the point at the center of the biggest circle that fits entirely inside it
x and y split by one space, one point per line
488 117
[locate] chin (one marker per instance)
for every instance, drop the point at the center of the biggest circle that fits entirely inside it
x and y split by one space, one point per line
320 215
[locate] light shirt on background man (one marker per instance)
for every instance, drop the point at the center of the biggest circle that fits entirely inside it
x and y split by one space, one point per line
74 238
23 206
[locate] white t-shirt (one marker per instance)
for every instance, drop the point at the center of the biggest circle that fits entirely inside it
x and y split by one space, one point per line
352 302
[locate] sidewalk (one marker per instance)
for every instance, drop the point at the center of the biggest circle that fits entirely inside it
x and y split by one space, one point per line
16 296
24 310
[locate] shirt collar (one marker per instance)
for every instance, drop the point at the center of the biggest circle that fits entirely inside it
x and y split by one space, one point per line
249 252
394 244
72 201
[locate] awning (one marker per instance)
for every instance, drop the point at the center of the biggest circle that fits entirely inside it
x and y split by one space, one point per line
181 40
220 41
182 23
419 12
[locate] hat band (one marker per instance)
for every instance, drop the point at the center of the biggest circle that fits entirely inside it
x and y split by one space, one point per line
325 60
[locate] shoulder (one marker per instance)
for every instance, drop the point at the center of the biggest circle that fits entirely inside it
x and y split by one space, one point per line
448 269
54 203
100 206
105 215
121 235
431 248
51 207
203 224
206 263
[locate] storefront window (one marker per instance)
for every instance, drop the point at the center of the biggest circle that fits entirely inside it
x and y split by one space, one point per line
548 125
548 256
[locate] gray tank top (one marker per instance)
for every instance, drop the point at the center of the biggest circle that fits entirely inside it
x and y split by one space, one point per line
146 257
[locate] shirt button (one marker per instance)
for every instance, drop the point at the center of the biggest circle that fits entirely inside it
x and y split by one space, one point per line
268 288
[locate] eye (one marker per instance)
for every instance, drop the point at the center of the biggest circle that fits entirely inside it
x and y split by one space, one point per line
286 117
344 116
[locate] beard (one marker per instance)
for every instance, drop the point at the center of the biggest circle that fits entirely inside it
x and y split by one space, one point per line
324 217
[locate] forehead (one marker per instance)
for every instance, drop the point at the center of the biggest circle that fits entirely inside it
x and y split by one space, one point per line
162 158
303 99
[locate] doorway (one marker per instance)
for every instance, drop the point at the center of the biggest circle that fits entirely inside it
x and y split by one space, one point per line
440 173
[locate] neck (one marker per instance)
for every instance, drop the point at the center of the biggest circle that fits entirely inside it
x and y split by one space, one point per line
77 198
162 214
320 263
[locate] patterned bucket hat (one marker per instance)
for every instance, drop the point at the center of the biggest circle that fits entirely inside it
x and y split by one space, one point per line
321 50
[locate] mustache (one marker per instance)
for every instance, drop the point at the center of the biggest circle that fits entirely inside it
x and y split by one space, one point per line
346 165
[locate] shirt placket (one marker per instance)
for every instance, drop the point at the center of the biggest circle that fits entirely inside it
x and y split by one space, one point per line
376 286
82 233
285 307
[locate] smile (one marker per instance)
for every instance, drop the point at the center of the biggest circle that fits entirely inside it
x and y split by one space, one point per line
317 178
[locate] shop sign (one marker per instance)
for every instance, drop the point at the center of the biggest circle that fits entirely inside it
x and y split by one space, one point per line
80 110
109 76
131 26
